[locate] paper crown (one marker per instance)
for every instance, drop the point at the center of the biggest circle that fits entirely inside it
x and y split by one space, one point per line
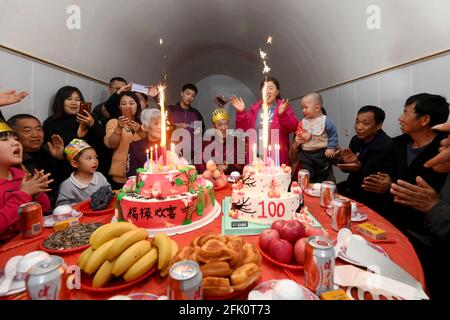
220 114
75 147
4 127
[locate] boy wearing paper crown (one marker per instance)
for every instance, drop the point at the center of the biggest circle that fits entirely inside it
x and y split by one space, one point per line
85 180
227 151
17 187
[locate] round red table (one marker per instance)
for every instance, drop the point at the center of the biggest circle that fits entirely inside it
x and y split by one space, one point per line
400 251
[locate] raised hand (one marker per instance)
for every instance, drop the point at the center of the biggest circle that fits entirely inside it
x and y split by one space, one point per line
123 122
56 147
377 183
421 197
153 91
85 119
35 184
348 156
237 103
284 104
10 97
329 153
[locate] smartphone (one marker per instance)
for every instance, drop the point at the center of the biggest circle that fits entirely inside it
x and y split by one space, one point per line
85 106
127 112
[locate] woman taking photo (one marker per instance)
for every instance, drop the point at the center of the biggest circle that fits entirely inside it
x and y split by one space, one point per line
120 133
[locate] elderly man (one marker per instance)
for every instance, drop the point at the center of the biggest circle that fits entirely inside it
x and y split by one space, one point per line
370 151
436 210
412 150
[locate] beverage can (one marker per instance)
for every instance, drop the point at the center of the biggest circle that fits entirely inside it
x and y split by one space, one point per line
319 265
185 282
327 193
45 279
342 214
30 219
303 179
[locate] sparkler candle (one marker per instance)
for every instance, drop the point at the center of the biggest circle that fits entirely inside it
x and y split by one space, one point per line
163 124
148 159
265 122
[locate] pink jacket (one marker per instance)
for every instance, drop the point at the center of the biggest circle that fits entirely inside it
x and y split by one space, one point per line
11 198
286 123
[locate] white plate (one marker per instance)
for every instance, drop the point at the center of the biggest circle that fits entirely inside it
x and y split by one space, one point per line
312 192
16 287
346 258
265 291
356 217
49 222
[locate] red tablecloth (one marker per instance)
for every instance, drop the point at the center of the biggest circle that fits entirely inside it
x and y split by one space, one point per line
401 252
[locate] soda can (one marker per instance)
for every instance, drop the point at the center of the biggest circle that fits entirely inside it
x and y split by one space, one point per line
185 282
342 214
45 279
303 179
319 265
30 219
327 193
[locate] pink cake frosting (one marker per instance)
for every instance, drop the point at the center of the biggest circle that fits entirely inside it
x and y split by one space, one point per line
262 195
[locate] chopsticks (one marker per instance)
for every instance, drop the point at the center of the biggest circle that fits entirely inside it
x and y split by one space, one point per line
20 244
290 275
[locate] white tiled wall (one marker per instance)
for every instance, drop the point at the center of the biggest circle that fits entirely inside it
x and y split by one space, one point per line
387 90
41 82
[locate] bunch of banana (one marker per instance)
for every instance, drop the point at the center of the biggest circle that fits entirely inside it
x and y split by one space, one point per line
167 248
118 249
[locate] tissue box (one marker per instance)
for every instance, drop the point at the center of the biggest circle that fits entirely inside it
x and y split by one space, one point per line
371 231
334 295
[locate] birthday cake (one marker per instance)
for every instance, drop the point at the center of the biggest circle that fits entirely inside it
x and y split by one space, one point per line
162 197
262 196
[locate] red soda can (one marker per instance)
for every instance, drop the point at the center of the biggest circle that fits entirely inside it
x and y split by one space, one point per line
342 214
46 279
185 282
303 179
327 193
30 219
319 265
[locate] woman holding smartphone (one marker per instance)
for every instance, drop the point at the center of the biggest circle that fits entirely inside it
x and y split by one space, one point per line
121 132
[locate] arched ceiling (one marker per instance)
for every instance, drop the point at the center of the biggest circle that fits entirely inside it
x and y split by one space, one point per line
317 43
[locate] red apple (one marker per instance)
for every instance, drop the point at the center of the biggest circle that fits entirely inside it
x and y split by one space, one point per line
311 232
292 230
277 225
299 251
266 236
281 250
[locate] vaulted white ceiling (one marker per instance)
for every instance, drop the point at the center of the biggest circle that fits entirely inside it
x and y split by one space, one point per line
317 43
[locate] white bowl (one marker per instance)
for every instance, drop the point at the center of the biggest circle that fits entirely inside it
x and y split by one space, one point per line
29 260
62 213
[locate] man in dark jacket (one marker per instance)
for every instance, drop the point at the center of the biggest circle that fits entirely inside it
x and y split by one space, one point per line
370 151
412 150
184 116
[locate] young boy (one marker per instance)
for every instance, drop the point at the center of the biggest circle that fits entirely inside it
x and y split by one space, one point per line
85 180
16 187
316 140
